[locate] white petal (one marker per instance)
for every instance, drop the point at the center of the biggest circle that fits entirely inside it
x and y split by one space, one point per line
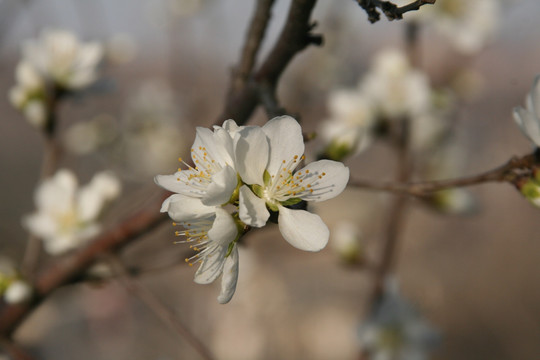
221 188
226 146
206 142
533 99
302 229
89 204
107 184
41 224
57 194
252 152
224 229
178 183
253 210
329 185
212 265
529 125
183 208
231 127
230 277
286 140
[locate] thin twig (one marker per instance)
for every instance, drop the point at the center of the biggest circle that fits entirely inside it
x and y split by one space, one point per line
391 10
157 307
503 173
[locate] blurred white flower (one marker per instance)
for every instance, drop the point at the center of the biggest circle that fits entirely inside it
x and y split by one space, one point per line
395 330
346 241
150 135
529 119
446 161
17 292
29 94
395 87
86 137
266 161
348 131
12 288
468 25
66 215
63 60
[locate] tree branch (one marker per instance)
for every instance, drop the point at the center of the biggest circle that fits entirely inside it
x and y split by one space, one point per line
391 10
295 36
504 173
71 267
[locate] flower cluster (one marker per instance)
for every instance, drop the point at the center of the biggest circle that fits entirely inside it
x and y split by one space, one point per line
67 216
56 61
241 176
393 89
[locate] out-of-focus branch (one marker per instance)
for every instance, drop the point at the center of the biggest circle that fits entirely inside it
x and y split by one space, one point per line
51 157
295 36
252 44
396 213
71 267
13 350
157 307
391 10
504 173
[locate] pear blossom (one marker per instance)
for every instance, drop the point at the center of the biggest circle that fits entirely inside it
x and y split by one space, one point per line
29 94
395 330
528 118
63 60
266 159
214 236
348 131
346 241
468 25
395 87
67 216
214 179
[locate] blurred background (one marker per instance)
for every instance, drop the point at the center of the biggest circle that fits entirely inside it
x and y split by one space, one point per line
475 275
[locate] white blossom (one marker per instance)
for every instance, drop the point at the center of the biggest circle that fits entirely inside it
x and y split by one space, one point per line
348 130
395 330
266 160
67 216
214 237
213 179
63 60
395 87
29 94
528 118
468 25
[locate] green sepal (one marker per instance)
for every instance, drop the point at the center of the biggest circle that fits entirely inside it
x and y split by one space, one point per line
257 190
272 206
291 201
531 190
